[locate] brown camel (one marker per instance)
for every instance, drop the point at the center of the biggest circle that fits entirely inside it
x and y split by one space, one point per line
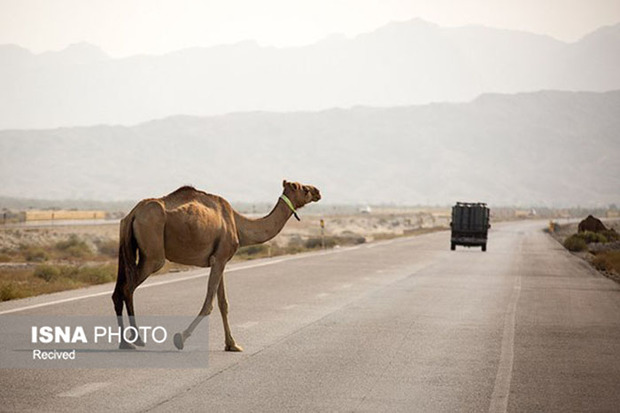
194 228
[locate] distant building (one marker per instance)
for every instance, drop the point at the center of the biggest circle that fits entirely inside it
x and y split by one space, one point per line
520 213
613 213
45 215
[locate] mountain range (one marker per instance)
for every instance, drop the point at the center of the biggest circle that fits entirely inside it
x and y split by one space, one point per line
403 63
548 148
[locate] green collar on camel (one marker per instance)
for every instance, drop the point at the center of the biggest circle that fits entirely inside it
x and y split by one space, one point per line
290 205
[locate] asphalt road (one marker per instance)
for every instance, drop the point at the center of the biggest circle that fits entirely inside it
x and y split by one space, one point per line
403 325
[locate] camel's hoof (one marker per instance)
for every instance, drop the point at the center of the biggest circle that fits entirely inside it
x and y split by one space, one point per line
178 341
135 338
233 347
139 342
126 346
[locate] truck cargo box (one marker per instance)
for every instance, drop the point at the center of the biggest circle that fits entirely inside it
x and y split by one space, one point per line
470 225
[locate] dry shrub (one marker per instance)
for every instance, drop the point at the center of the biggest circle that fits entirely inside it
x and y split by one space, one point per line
312 243
575 243
611 235
47 272
589 237
608 261
108 247
76 275
74 247
254 250
97 275
45 279
10 291
36 254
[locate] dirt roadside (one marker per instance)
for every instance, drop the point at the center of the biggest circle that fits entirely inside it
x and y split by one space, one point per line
603 256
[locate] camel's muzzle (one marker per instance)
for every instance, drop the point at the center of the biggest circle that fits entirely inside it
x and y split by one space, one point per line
316 195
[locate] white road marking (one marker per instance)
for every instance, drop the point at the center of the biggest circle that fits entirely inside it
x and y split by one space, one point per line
501 390
290 307
380 243
66 300
179 279
84 389
344 287
322 295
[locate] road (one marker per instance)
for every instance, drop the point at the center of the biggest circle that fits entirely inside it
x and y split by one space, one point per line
402 325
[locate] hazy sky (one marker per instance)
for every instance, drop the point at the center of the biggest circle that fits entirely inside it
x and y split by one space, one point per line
124 27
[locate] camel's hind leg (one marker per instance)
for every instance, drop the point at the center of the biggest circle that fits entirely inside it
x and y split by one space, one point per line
148 229
119 298
150 266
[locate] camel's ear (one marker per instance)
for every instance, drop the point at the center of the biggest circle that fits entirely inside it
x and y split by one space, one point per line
283 183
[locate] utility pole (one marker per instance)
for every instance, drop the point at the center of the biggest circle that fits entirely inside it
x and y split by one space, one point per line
322 233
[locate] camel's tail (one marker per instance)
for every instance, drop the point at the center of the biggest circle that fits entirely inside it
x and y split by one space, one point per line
127 267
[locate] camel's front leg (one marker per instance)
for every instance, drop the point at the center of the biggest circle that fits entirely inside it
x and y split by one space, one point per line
222 302
215 277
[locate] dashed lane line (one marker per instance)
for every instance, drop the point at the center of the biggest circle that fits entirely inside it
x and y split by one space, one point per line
84 389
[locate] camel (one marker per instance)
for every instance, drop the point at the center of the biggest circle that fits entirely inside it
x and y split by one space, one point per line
192 227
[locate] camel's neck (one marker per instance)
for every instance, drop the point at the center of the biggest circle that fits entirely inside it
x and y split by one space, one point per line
257 231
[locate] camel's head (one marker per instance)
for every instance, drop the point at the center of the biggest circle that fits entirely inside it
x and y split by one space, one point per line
299 194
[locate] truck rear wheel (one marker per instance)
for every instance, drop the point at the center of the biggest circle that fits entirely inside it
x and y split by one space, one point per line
484 247
453 246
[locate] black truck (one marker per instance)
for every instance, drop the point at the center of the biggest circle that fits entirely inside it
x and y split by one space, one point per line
470 225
